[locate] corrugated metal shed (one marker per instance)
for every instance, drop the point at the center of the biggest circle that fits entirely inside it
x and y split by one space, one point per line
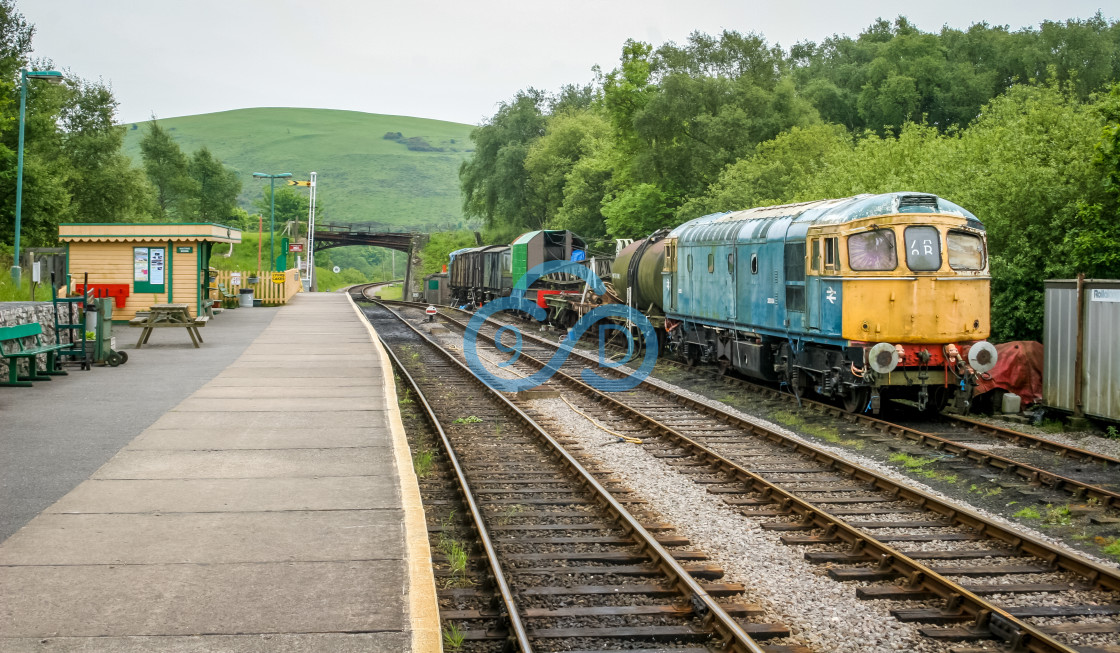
1100 350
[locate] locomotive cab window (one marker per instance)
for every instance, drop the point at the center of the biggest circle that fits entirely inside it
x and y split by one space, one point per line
815 261
966 251
923 249
872 250
831 254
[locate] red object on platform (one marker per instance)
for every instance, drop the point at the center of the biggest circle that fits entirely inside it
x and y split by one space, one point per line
1018 370
118 291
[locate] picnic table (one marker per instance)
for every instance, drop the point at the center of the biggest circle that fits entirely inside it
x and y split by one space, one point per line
169 315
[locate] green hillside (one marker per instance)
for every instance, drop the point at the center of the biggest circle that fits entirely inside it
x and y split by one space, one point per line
363 177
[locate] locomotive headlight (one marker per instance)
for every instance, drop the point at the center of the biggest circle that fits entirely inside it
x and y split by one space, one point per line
982 356
883 358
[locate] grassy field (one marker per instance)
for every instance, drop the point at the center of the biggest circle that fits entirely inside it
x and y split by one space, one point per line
363 177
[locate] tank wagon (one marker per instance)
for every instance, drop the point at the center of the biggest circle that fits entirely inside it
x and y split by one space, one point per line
855 298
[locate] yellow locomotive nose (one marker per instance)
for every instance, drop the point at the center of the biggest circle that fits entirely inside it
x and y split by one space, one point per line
927 310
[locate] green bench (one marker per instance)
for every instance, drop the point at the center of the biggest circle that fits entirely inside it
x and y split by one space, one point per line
229 299
14 352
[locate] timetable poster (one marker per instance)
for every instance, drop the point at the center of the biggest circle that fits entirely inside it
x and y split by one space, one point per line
156 266
140 264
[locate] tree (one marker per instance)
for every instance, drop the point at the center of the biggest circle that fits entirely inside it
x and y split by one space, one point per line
102 182
167 169
568 138
291 207
218 187
1094 240
494 181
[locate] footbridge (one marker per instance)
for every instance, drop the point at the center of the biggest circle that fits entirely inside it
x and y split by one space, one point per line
327 236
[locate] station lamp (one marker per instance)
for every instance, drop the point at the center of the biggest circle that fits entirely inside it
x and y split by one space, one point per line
52 77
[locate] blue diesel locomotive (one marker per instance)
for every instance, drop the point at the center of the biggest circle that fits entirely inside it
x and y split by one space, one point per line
855 298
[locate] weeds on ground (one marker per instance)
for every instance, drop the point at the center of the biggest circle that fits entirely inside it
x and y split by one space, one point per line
985 491
422 462
456 554
406 397
1057 516
1112 433
1029 513
918 466
1052 425
457 558
1051 515
795 421
448 522
509 513
453 637
1109 548
470 419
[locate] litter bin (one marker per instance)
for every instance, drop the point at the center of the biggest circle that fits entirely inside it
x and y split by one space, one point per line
246 299
103 352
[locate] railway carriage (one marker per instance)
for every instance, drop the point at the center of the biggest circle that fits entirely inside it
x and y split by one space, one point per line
478 274
855 298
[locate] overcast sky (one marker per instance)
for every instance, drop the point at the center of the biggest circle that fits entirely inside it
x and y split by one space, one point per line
450 60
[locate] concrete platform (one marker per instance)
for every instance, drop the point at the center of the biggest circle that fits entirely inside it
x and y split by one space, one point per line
260 502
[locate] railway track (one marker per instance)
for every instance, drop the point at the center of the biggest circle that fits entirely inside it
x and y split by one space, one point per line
561 562
1080 472
962 576
1085 475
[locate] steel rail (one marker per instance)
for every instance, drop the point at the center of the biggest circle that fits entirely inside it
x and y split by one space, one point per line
517 630
712 614
1019 437
986 615
1106 498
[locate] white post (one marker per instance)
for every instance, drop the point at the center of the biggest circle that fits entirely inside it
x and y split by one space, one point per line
309 279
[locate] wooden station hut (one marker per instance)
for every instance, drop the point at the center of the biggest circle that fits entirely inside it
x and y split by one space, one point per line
145 263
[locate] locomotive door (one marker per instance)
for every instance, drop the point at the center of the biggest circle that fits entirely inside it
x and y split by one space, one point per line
729 279
813 286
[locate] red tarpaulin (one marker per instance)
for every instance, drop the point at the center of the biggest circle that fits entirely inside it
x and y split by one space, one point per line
1018 370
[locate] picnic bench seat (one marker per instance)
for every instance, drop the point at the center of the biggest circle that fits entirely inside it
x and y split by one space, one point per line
17 334
168 315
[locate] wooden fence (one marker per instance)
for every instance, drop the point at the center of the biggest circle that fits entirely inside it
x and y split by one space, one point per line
265 289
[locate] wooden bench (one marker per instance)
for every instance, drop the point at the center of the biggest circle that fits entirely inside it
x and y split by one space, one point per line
18 334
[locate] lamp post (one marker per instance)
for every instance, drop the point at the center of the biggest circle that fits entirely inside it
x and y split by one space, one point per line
53 77
272 218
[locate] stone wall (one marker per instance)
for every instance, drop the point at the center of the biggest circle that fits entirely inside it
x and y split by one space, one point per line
13 313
